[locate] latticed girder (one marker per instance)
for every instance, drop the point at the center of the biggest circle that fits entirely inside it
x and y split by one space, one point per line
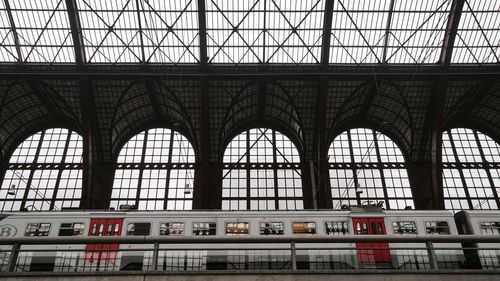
255 32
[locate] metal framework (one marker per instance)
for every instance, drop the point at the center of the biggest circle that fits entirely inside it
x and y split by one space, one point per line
260 31
210 69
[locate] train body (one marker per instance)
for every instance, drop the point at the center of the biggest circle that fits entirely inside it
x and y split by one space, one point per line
357 221
487 255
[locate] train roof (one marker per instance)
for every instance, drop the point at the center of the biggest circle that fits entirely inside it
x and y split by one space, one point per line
229 214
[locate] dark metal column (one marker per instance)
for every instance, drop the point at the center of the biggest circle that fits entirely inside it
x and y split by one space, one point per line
319 174
97 178
86 108
426 175
437 113
207 192
317 168
3 170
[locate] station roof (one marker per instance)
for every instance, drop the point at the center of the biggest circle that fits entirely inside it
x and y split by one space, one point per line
249 32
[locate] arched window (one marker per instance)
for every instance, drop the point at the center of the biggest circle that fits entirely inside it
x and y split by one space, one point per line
45 173
155 172
367 167
261 172
471 170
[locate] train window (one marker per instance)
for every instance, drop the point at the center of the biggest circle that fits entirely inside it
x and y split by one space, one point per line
37 229
437 227
172 228
271 228
404 227
71 229
117 229
304 228
490 228
204 228
138 228
237 228
337 228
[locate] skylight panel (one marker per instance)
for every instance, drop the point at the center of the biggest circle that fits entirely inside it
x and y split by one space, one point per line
478 35
43 30
358 31
264 31
295 31
8 51
110 31
170 31
417 31
150 31
235 31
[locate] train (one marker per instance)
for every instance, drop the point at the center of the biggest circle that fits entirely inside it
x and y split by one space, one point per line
357 220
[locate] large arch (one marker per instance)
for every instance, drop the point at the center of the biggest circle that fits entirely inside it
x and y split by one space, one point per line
44 173
367 167
27 106
155 172
380 105
261 172
147 104
261 104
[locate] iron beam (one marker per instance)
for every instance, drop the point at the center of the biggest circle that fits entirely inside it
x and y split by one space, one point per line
451 32
76 32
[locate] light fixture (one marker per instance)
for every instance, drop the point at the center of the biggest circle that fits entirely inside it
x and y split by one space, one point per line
127 207
12 190
358 189
187 190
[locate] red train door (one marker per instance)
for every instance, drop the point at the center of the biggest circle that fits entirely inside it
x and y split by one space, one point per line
366 252
100 254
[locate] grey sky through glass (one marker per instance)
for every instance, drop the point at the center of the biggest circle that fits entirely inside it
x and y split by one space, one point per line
55 183
248 32
261 172
155 172
468 181
368 167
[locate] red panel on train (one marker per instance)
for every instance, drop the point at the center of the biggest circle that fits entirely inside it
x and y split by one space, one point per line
103 253
371 252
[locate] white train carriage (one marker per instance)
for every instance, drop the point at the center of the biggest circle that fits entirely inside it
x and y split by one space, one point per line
487 255
358 221
423 223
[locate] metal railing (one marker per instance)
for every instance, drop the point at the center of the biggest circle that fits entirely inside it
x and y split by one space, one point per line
277 253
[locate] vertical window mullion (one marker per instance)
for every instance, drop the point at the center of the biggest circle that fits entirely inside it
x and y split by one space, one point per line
60 170
381 170
30 179
141 170
275 173
169 169
354 172
248 168
459 167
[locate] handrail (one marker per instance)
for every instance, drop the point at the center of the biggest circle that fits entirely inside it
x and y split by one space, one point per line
295 244
253 240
